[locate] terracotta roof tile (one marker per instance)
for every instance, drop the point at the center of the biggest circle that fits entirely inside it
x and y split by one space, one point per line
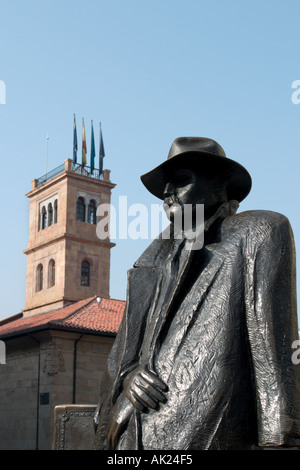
85 316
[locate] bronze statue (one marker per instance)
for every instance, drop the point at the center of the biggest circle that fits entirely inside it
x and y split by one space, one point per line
203 358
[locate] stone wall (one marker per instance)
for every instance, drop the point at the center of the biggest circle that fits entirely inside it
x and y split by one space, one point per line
38 375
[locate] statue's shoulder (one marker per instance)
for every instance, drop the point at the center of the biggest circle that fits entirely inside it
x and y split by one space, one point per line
157 250
266 217
259 223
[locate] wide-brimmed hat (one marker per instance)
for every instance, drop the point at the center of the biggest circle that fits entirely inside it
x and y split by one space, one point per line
203 155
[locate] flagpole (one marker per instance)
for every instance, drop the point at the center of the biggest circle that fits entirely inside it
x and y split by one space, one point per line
91 146
100 172
47 141
75 144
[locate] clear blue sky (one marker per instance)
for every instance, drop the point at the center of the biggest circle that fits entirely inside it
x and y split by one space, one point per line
150 71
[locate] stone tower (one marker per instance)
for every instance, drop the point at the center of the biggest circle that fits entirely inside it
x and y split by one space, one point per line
66 261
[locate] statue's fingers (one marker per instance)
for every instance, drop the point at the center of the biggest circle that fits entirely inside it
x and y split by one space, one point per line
147 396
153 379
151 390
137 402
158 395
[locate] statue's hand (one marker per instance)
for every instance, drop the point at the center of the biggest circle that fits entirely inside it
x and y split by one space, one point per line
144 389
119 417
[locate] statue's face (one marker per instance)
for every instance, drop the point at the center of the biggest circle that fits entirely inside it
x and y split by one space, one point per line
186 186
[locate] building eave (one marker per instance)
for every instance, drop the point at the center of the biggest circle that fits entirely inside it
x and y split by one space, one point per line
49 327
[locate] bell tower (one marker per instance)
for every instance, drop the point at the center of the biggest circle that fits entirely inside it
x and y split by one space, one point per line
66 261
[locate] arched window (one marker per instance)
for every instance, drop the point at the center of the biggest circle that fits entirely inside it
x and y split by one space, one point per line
55 212
51 273
80 209
50 214
44 218
39 277
85 273
92 212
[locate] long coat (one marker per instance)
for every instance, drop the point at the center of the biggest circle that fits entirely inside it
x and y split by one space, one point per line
222 342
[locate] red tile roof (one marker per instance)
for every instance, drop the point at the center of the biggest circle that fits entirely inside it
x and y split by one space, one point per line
86 316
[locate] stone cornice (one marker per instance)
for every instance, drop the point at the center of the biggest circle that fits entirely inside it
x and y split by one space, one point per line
67 236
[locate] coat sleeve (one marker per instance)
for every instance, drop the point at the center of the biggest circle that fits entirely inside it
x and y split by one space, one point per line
271 314
107 389
125 351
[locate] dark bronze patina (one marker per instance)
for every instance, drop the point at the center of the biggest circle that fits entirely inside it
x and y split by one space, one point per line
203 358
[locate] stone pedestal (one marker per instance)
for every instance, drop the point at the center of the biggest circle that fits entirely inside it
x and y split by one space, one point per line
74 427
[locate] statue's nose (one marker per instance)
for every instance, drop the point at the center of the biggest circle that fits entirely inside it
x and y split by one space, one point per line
169 190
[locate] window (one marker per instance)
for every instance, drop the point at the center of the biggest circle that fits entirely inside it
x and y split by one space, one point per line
86 207
44 218
92 212
55 212
50 214
39 278
51 273
85 273
80 209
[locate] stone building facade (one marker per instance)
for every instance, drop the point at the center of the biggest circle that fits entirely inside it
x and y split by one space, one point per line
57 347
52 359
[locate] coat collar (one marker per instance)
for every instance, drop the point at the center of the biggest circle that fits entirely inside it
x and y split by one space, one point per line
159 249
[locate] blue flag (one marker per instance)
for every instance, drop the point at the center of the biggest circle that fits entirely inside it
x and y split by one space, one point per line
75 148
101 152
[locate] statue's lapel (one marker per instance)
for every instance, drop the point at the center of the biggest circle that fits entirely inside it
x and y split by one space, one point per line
191 302
142 290
205 279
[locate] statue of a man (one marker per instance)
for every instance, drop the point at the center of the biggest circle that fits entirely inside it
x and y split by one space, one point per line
203 358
